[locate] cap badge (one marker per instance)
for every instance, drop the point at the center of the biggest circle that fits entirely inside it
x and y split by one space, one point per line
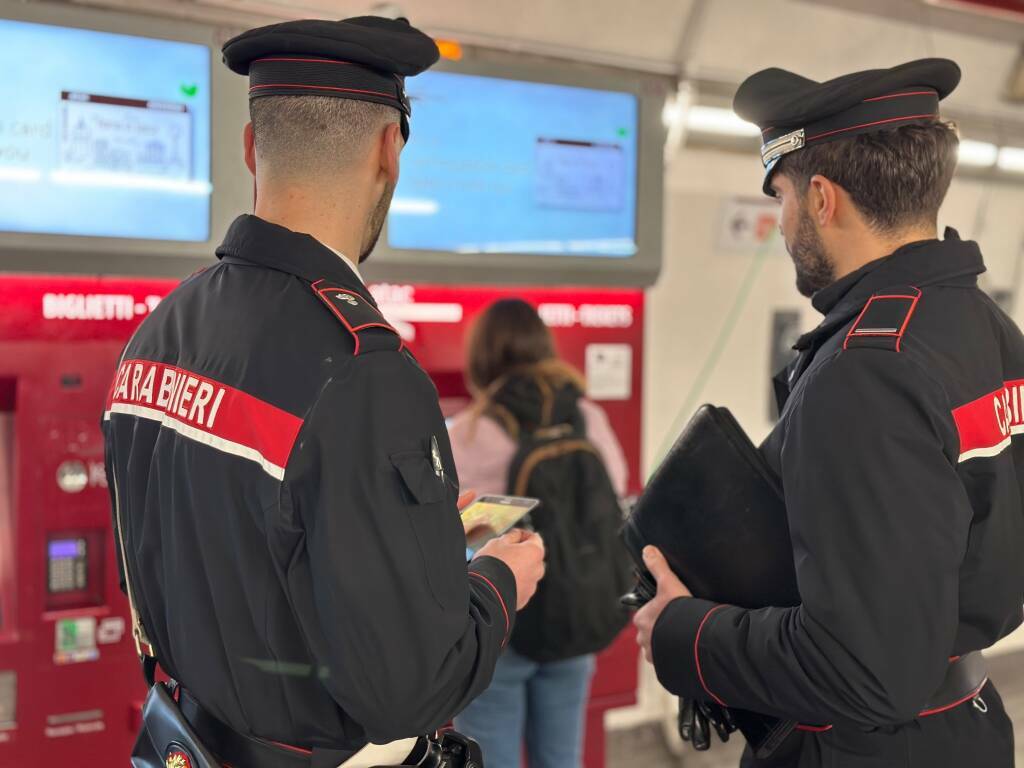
783 145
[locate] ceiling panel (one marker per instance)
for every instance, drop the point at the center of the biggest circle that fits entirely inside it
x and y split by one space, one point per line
825 41
647 31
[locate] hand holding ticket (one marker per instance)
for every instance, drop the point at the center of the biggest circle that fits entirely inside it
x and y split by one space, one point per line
490 516
523 552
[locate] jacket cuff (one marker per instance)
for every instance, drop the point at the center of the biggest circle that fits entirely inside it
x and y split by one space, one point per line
679 647
498 580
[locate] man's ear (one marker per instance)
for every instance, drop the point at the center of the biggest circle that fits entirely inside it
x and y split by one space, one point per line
823 196
249 143
391 148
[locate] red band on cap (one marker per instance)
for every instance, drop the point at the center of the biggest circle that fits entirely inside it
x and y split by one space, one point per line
898 95
304 61
302 86
868 125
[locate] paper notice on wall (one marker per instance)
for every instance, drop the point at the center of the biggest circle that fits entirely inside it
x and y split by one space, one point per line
609 371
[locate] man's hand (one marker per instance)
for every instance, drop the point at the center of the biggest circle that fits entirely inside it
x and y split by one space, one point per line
669 588
523 552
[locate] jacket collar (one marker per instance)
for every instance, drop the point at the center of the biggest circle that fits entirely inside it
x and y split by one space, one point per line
257 241
918 264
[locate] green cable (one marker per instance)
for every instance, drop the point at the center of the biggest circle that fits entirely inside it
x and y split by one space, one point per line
711 362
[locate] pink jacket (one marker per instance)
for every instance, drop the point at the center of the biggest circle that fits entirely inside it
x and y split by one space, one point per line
483 450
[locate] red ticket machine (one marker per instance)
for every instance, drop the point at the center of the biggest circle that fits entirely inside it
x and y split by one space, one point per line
70 686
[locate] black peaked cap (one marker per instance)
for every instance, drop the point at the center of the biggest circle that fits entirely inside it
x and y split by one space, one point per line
366 58
793 111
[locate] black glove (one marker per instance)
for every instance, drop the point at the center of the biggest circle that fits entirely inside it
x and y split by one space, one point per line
696 718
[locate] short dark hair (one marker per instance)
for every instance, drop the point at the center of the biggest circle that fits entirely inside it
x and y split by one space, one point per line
314 133
896 177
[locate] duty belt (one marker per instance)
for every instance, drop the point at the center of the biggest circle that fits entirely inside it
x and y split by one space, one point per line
241 751
965 677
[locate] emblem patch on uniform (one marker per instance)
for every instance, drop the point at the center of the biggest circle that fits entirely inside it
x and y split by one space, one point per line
347 298
177 757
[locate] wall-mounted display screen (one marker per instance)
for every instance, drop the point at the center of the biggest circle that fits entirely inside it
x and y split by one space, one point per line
103 134
509 166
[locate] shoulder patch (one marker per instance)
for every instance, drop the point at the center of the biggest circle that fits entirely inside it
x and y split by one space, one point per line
367 325
884 319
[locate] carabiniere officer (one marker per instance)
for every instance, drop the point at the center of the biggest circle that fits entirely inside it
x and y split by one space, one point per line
897 449
280 460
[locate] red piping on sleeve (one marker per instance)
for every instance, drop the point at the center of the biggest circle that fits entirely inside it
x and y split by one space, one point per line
500 600
814 728
290 748
696 655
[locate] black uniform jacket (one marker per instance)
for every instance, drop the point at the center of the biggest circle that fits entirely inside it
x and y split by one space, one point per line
288 495
903 490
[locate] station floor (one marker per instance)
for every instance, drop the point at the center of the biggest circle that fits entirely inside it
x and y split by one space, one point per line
645 745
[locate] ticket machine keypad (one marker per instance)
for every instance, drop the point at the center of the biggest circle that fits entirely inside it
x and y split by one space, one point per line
67 565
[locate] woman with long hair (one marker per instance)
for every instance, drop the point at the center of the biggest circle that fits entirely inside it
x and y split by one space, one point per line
516 377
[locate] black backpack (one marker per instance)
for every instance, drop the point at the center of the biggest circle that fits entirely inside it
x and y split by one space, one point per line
576 609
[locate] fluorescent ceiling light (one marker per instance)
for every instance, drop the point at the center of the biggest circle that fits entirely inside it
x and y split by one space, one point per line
719 120
978 154
1011 159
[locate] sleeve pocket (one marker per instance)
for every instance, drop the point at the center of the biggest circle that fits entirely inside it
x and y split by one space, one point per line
437 527
418 476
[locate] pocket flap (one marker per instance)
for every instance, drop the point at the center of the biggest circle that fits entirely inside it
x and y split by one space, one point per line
417 473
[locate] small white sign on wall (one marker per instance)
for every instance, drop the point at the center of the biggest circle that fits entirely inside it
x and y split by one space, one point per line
609 371
748 223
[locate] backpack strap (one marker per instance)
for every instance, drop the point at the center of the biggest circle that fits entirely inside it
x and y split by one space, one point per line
884 319
370 331
519 474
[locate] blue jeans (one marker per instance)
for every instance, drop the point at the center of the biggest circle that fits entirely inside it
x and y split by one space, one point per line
543 704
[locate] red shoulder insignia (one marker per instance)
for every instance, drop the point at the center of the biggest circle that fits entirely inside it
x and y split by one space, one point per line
884 319
358 316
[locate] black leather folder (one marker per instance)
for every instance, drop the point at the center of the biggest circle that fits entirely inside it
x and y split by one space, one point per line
715 509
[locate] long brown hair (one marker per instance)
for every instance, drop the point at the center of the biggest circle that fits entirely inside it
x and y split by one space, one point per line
509 337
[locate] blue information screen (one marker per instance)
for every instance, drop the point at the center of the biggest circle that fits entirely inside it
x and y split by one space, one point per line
103 134
506 166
